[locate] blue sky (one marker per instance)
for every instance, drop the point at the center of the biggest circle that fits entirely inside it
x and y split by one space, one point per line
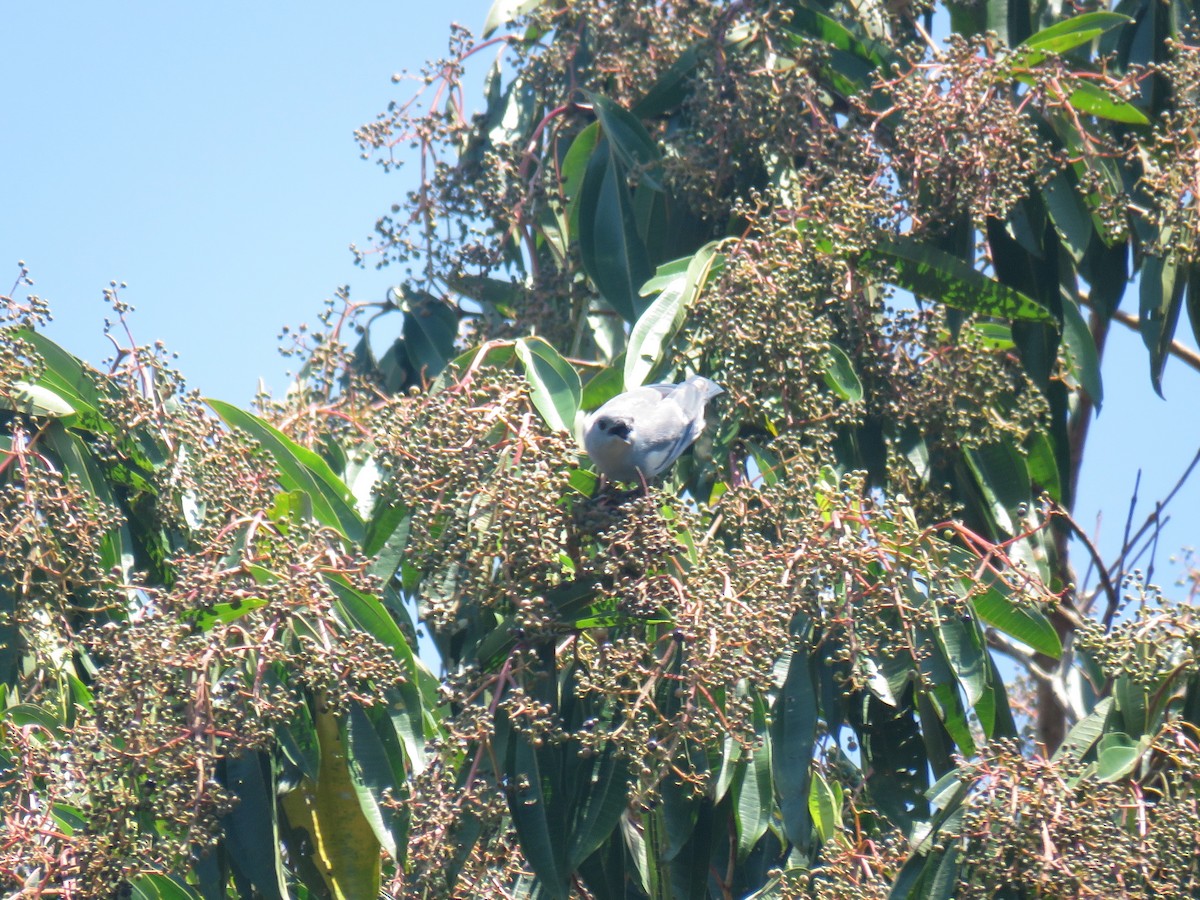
204 154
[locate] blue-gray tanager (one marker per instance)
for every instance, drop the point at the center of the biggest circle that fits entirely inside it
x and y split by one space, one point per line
638 434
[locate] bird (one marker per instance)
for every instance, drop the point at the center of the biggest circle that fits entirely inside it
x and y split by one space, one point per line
638 434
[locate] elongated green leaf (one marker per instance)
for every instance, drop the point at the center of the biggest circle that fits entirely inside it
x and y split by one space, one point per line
596 814
938 276
1067 35
840 376
504 11
658 325
612 254
1117 755
67 377
430 330
1085 360
1094 100
300 469
825 806
1003 478
793 734
628 138
964 654
825 28
1027 625
1083 736
251 827
531 811
671 89
752 794
1070 214
554 383
603 386
161 887
1161 293
35 400
366 612
374 781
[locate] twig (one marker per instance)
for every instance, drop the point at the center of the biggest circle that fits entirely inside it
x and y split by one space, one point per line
1110 589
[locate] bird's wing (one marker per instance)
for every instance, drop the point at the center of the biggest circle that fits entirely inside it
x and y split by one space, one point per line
669 431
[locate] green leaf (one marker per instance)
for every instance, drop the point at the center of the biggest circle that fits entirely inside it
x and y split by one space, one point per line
1118 755
997 606
627 137
938 276
1083 736
225 612
574 169
1085 360
840 376
830 31
554 383
1025 624
1070 214
35 400
1067 35
66 376
670 90
612 254
161 887
964 654
598 811
429 332
300 469
367 613
528 805
793 735
1193 300
1094 100
825 806
753 798
504 11
657 326
375 781
251 827
1002 476
1161 293
603 386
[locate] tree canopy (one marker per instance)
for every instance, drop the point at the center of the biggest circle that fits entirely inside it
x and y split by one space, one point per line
852 645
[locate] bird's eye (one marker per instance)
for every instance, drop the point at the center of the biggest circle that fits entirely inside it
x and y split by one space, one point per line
617 428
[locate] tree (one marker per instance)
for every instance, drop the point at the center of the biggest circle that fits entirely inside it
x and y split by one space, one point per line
784 671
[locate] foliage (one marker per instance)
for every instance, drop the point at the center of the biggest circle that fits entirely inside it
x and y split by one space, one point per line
781 672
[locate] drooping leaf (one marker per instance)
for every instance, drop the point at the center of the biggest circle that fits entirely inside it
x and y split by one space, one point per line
793 734
938 276
656 327
841 377
375 780
628 138
300 469
504 11
1085 360
429 333
251 827
1064 36
35 400
554 383
1161 292
613 255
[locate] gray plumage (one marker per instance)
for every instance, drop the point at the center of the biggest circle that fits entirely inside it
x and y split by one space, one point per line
638 434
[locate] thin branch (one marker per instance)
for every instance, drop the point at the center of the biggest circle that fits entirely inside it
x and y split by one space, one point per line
1110 590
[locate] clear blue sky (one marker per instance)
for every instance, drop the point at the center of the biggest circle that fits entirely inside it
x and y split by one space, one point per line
204 154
